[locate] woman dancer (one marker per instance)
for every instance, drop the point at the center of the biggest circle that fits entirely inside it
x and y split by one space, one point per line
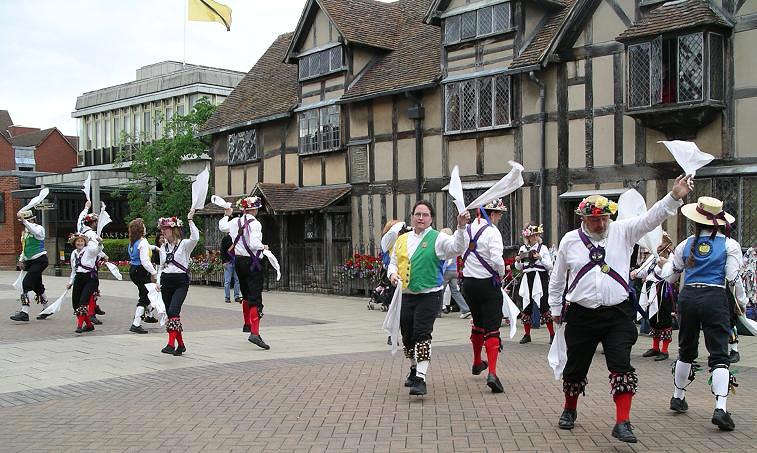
174 276
84 277
535 261
141 270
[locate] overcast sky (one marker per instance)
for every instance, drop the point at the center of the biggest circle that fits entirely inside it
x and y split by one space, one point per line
52 51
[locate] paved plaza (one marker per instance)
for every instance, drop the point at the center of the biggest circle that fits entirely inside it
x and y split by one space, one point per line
327 384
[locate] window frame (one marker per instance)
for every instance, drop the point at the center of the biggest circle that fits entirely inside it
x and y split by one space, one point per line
256 156
306 61
313 143
458 18
476 103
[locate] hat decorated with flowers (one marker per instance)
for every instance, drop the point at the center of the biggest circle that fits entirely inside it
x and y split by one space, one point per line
249 203
89 218
170 222
74 236
496 205
596 205
532 230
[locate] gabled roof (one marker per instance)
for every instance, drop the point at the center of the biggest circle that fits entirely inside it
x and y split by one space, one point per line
414 64
32 138
5 120
672 16
282 198
269 90
547 37
434 11
363 22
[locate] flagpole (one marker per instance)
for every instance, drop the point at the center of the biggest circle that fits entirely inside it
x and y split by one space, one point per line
184 58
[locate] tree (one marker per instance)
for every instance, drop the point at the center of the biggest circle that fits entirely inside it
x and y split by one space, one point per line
158 188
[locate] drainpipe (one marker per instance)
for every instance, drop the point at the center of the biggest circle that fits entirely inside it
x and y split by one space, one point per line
417 113
543 151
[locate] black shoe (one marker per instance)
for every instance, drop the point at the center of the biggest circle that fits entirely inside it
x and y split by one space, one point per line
20 316
734 356
679 405
651 353
723 420
246 328
228 301
526 339
98 311
256 340
94 320
79 330
551 339
419 387
567 419
411 378
149 319
180 350
168 349
493 382
137 329
661 356
623 432
445 310
45 316
88 328
477 369
238 299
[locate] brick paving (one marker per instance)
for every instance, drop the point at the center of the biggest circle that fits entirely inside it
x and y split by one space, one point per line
328 384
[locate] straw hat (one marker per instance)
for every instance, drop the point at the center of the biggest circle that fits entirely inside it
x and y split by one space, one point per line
74 236
496 205
596 205
706 211
27 215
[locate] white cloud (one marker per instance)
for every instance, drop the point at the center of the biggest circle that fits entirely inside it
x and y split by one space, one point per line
53 50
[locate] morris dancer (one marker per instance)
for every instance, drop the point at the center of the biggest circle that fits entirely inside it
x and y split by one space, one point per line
84 277
248 247
173 280
87 225
599 307
141 270
482 285
417 260
710 261
657 288
535 261
33 260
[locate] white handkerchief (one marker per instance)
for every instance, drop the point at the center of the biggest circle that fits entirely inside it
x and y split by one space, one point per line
87 186
505 186
114 270
510 310
36 200
456 190
18 283
218 201
55 306
200 189
558 352
103 220
274 263
392 321
631 205
688 155
156 302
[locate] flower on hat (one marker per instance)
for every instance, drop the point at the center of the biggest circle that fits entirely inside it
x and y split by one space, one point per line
496 205
89 218
249 203
596 205
531 230
170 222
74 236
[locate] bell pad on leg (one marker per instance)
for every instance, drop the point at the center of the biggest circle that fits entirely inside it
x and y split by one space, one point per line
174 324
575 388
623 383
423 351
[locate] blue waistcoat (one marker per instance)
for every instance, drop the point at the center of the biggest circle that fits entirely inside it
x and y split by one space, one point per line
709 260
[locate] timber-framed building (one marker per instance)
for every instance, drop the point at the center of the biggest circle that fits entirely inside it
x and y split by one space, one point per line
366 106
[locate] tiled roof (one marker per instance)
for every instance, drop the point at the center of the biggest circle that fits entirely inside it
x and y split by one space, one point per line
270 88
673 16
414 63
5 120
290 198
367 22
536 51
32 138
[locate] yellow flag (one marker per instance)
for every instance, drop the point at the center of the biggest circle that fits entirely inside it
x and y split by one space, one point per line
210 11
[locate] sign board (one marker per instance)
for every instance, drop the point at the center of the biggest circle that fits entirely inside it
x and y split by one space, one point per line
45 206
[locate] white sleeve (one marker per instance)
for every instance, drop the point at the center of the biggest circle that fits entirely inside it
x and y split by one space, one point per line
545 258
451 246
224 224
36 230
637 227
256 236
73 270
519 264
497 251
79 224
675 266
733 263
144 257
557 280
392 268
388 240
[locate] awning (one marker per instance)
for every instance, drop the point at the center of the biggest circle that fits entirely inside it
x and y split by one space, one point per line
473 185
581 194
288 198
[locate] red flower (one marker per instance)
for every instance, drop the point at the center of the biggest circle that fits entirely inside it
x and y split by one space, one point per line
596 211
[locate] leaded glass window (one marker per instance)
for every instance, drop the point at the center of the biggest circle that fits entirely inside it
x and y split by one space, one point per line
477 104
716 67
320 129
690 67
243 146
323 62
478 23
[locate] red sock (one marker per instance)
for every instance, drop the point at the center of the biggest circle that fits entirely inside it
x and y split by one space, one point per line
477 340
492 352
622 406
179 338
665 344
571 402
246 312
171 337
254 321
91 306
656 343
80 321
86 320
551 328
527 328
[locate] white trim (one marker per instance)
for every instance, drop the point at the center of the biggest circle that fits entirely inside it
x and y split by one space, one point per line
316 105
316 49
472 185
472 7
585 193
488 72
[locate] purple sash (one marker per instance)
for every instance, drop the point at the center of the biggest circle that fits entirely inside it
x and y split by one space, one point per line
473 246
170 257
533 265
78 264
596 258
255 263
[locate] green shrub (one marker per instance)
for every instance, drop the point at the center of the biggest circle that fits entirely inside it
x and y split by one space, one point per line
116 249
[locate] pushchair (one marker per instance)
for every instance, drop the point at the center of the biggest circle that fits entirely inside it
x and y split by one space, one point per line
382 294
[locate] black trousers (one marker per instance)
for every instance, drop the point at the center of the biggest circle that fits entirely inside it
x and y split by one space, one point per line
704 309
663 319
417 317
84 285
485 302
33 278
140 277
544 301
250 281
173 289
586 328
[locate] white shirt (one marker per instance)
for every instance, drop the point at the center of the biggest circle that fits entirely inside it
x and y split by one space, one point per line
545 258
38 231
596 289
733 262
253 233
388 240
144 255
88 256
181 253
489 246
446 247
